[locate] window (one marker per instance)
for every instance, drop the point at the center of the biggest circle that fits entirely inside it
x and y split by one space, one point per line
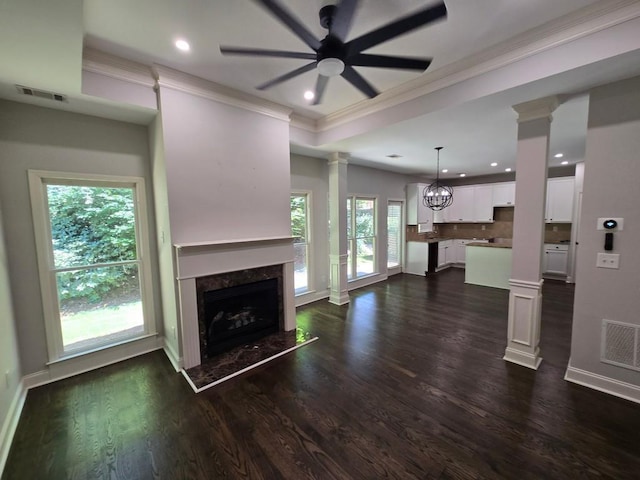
300 233
92 255
361 237
394 234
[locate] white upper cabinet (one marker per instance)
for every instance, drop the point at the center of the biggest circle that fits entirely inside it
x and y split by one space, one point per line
559 200
504 194
461 210
471 203
483 203
417 212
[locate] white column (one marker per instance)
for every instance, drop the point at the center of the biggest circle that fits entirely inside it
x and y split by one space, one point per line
525 296
339 294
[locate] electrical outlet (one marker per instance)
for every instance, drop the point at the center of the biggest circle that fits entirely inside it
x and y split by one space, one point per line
455 227
7 378
173 332
608 260
555 228
484 227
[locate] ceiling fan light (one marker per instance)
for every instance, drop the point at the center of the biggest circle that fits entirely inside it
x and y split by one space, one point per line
330 67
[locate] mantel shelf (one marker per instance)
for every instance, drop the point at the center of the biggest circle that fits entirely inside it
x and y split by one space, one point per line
222 243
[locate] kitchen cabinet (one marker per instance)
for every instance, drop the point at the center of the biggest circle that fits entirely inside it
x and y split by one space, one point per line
483 203
417 258
417 212
471 203
504 194
555 259
446 253
559 207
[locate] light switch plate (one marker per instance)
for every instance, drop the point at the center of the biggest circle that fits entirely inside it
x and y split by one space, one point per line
608 260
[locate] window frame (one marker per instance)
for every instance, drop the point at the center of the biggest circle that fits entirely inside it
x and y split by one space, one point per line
38 181
309 242
352 241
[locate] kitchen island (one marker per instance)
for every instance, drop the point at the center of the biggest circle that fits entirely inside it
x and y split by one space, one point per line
488 264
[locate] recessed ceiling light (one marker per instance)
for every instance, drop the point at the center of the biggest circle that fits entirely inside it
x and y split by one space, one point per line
309 95
494 164
507 169
463 174
558 155
445 170
183 45
564 162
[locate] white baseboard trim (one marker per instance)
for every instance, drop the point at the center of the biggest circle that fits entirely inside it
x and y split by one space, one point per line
173 357
311 297
11 423
604 384
366 281
92 361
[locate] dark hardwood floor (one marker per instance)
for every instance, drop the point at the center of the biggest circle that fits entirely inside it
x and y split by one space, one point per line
406 382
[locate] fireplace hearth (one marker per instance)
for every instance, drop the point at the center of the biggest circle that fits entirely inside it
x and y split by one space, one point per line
236 308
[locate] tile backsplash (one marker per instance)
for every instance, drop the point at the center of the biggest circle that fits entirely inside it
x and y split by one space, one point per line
502 227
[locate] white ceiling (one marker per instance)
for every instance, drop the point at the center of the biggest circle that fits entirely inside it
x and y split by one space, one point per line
474 133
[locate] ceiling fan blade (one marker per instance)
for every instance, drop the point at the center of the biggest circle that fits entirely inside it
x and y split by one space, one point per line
342 19
383 61
291 22
321 85
397 28
358 81
287 76
259 52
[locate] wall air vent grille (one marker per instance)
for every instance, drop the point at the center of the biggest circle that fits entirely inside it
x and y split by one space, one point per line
33 92
620 344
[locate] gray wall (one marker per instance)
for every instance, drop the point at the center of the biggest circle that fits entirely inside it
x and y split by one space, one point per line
384 186
311 175
8 343
612 170
40 138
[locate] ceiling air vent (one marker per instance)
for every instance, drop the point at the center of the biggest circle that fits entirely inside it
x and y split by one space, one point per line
41 93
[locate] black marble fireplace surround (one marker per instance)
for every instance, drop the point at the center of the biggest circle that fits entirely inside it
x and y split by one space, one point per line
235 308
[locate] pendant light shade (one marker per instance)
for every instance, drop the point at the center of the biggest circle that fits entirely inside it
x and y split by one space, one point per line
437 196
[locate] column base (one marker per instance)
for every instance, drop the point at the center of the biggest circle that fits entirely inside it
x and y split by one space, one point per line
522 358
523 333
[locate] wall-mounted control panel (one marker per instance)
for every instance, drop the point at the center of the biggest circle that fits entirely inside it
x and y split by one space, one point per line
610 224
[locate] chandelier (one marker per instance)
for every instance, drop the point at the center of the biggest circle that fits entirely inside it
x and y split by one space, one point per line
437 196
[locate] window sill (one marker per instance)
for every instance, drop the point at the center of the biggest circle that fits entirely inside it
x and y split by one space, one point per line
100 348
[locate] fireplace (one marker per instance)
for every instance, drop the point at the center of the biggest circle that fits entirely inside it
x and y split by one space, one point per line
239 307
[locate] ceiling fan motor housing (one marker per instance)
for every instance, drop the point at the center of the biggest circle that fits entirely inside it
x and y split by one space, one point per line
326 15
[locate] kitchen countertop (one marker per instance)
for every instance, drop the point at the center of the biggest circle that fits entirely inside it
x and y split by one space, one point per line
490 245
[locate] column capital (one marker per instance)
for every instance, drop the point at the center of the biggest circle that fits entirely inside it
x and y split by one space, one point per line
536 109
339 157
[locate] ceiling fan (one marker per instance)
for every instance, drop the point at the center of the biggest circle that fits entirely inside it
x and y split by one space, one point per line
333 55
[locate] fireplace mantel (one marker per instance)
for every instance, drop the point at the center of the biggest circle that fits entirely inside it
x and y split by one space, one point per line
199 259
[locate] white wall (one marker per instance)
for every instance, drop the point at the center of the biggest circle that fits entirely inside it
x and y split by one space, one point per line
312 175
612 170
227 170
9 361
45 139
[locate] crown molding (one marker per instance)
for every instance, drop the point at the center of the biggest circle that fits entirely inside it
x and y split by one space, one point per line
176 80
102 63
304 123
586 21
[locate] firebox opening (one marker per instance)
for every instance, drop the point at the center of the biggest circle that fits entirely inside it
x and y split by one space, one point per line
240 314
